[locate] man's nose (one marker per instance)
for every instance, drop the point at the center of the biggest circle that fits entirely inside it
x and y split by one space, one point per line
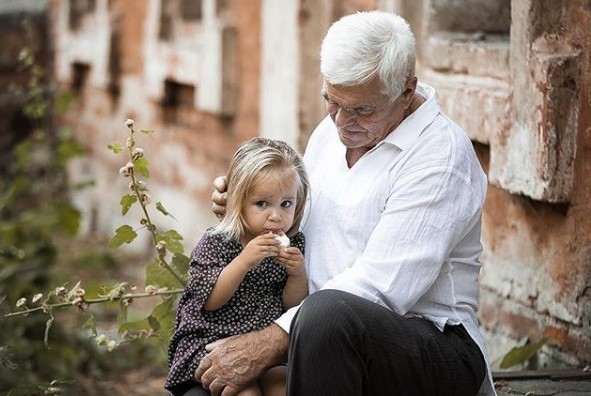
343 117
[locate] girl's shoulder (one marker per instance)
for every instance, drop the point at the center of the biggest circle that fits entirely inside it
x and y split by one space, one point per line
212 240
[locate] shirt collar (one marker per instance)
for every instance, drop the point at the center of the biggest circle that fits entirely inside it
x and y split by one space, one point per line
412 126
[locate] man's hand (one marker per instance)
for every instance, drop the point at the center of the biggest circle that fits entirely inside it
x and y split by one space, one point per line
219 196
237 361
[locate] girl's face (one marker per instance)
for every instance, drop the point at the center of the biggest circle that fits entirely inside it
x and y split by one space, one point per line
270 204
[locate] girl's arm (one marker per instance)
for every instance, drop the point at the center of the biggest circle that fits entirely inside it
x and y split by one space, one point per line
231 276
296 287
227 283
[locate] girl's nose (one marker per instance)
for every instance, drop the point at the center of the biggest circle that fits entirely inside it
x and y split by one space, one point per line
274 215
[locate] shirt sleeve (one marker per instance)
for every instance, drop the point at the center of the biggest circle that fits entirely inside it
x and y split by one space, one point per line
429 210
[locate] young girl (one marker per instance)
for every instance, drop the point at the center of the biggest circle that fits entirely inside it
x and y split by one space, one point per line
240 278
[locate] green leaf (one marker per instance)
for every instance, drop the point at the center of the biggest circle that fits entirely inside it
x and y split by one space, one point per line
141 165
146 131
165 316
122 315
520 355
162 210
123 234
135 326
180 263
161 319
115 147
173 241
116 291
127 202
90 323
159 276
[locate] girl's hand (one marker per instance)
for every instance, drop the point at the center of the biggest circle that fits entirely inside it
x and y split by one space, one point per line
292 260
258 248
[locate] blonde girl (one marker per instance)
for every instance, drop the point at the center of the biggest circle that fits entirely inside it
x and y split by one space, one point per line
242 276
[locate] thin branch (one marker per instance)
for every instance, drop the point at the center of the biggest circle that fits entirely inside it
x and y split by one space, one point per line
49 307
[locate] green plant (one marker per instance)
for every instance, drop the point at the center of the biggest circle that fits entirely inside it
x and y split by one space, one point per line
164 278
35 213
34 210
521 355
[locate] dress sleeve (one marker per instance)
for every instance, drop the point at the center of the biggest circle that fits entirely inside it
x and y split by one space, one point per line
207 261
298 240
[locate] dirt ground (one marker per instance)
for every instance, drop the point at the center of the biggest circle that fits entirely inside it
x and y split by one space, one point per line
136 382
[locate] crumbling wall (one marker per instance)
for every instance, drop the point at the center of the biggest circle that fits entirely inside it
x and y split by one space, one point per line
515 74
181 68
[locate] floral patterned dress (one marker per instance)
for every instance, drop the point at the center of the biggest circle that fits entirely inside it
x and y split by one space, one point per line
256 303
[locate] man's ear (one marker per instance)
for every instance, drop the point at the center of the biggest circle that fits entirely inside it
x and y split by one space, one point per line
410 86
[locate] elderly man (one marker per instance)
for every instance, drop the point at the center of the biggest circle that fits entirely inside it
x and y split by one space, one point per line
393 238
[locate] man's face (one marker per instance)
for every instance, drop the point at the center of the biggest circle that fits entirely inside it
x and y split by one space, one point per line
363 113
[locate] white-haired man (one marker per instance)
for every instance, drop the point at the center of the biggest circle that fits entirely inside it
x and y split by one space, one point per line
393 238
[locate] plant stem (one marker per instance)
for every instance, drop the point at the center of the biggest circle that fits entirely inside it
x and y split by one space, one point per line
151 228
95 301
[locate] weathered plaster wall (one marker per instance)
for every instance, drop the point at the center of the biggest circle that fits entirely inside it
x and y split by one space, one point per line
523 94
158 83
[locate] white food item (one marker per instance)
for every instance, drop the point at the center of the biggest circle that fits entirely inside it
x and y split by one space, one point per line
283 240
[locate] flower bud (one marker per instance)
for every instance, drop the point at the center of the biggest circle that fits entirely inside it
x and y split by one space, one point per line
129 123
80 292
112 344
137 153
146 199
101 339
21 302
126 170
161 247
60 291
78 301
37 297
151 289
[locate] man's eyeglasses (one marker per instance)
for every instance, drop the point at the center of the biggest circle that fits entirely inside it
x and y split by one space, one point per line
332 107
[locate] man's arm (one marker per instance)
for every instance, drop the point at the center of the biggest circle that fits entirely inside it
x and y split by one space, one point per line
237 361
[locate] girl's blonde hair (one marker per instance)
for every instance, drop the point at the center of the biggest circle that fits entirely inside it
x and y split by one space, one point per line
256 159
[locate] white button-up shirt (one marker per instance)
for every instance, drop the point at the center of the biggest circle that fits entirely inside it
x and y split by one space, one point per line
401 227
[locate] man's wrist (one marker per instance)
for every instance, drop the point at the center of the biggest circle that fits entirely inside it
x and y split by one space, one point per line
276 343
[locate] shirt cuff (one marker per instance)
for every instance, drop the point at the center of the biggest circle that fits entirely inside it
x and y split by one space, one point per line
284 321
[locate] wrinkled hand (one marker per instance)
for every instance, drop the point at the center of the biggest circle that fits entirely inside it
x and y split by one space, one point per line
219 196
237 361
292 260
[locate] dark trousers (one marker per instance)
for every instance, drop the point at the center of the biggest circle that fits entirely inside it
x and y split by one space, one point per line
341 344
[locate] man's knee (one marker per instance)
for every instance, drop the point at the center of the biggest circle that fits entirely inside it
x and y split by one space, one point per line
325 313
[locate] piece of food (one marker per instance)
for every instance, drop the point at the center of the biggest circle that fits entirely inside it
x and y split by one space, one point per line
283 240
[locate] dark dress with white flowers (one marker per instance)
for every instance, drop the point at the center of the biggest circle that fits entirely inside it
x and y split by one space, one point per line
256 303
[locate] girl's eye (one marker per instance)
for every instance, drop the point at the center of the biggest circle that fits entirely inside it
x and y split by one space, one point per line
261 204
286 204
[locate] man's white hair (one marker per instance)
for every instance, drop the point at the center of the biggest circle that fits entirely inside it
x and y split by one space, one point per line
360 46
